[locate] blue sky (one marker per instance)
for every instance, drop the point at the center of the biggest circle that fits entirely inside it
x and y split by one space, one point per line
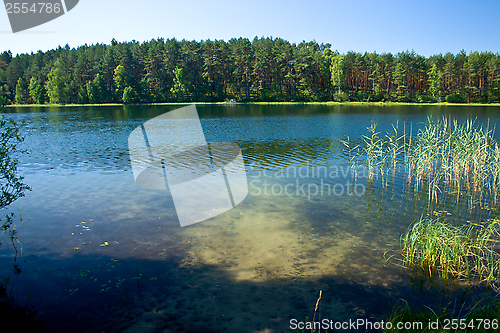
427 27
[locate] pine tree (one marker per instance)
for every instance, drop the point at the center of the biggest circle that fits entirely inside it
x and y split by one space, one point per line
400 80
264 69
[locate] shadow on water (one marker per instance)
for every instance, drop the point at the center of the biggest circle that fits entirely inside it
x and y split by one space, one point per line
170 297
130 268
100 293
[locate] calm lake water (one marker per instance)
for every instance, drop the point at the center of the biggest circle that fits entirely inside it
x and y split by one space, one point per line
100 254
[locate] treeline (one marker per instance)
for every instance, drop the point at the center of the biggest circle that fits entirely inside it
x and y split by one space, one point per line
263 69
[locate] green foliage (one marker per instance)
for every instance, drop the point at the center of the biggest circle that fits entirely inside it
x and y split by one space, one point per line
36 91
12 316
443 158
179 90
262 69
434 80
128 95
95 90
340 97
465 252
455 98
400 82
20 97
83 97
337 69
11 184
120 80
424 99
56 86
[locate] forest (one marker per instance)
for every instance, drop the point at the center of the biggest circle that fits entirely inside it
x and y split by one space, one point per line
264 69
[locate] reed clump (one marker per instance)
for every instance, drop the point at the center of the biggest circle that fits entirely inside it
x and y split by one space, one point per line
463 158
465 252
443 156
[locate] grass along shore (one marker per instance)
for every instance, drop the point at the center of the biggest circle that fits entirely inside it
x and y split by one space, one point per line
262 103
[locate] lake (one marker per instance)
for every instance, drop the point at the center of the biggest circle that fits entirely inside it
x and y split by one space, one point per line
100 254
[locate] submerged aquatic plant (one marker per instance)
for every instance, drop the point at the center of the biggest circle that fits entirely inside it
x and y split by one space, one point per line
463 252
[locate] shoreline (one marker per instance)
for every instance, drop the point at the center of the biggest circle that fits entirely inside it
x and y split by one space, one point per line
258 103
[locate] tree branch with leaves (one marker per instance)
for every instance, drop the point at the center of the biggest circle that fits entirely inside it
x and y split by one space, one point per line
12 186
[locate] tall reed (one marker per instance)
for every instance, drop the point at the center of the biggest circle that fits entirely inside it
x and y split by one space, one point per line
452 156
443 157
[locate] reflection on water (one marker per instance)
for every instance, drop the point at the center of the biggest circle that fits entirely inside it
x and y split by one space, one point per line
103 254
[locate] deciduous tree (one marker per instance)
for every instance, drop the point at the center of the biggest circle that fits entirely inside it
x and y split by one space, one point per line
36 91
56 86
